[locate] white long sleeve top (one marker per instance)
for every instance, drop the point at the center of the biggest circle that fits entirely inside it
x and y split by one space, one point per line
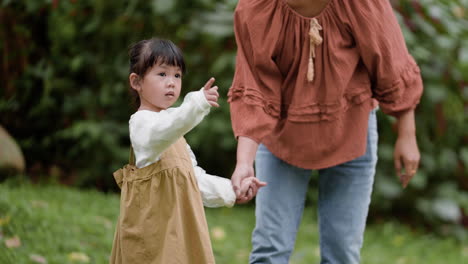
153 132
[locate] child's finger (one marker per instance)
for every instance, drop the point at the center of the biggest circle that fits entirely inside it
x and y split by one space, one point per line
209 83
259 183
254 188
213 103
212 100
242 200
213 92
211 97
250 194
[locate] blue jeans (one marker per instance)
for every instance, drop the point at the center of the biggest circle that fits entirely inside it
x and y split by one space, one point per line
343 202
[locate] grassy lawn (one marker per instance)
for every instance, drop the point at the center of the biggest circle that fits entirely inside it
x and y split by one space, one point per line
52 224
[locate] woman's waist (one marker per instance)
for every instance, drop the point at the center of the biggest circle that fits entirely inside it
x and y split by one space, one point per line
315 145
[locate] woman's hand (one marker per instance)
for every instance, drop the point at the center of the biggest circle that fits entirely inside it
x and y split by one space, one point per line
243 191
246 149
406 155
211 93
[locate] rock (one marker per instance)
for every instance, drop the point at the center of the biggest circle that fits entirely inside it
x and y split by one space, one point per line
11 156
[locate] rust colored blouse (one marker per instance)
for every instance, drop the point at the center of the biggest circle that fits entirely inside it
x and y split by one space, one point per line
322 122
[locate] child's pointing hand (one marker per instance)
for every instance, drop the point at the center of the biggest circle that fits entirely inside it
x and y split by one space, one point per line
211 93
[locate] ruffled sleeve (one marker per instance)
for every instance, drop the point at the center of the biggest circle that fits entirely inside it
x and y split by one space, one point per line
255 94
395 76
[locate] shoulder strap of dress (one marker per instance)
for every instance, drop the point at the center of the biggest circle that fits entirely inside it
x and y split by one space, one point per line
131 158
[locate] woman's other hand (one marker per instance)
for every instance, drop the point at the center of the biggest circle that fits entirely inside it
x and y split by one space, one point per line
406 155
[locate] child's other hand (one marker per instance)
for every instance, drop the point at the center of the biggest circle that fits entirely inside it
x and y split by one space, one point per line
251 184
211 93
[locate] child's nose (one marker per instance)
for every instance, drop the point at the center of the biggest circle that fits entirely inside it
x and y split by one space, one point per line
171 82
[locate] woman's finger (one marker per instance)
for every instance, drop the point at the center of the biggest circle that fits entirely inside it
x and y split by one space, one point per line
242 200
250 194
397 163
254 189
411 166
408 172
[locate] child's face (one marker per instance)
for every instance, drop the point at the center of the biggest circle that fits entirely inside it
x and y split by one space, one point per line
160 88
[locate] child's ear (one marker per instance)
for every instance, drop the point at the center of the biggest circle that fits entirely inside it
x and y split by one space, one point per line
134 80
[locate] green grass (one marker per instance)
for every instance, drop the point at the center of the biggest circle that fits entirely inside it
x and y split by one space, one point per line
66 225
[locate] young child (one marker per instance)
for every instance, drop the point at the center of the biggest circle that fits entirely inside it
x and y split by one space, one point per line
163 191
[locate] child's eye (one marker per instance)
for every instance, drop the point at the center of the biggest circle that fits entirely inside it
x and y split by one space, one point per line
178 75
162 74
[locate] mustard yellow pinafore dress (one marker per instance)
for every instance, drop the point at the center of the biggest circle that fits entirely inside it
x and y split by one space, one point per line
162 219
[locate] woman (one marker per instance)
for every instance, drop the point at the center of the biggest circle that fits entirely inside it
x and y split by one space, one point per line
309 77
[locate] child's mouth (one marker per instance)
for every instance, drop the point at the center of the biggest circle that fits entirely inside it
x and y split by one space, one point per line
170 94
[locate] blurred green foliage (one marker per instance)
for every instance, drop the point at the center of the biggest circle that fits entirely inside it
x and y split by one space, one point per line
436 34
64 93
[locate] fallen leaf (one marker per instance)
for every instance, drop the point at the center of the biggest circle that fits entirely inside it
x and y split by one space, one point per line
37 258
317 252
78 256
104 221
458 11
218 233
398 240
13 242
4 220
465 251
39 204
242 254
402 260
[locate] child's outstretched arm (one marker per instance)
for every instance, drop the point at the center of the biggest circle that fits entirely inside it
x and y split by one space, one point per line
156 131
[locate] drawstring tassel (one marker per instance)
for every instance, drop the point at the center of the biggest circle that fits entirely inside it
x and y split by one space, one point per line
314 39
310 70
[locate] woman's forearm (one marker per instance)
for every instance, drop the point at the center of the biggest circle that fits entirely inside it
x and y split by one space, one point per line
246 150
406 124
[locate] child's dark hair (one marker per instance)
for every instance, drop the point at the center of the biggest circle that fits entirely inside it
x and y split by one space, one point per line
146 53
